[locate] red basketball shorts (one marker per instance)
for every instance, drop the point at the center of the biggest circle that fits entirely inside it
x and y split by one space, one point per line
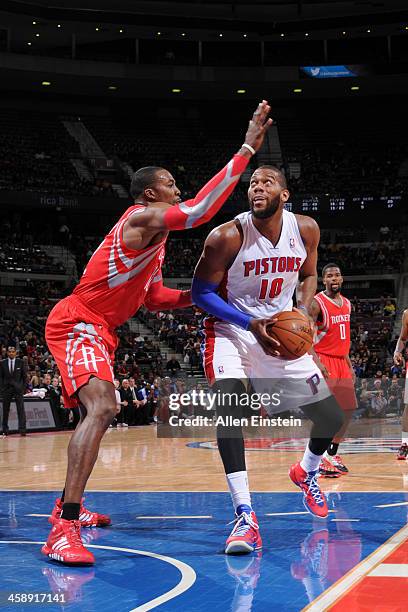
340 381
82 345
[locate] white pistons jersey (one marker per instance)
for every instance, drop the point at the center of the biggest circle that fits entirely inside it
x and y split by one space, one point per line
263 278
261 282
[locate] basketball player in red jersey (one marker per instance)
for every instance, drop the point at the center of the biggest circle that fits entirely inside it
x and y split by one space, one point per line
399 360
332 311
123 273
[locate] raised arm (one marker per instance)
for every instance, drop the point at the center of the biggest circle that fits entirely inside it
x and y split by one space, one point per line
159 216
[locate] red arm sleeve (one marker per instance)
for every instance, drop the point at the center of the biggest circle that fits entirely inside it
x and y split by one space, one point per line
209 199
160 297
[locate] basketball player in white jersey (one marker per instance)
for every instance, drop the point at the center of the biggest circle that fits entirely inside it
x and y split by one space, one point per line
248 272
399 360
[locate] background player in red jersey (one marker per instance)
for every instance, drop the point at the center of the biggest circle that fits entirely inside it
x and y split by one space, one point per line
399 360
123 273
332 311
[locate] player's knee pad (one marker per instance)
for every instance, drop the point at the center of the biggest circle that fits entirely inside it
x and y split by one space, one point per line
327 417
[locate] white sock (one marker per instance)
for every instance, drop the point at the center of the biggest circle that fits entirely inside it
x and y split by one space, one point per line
310 461
239 489
404 437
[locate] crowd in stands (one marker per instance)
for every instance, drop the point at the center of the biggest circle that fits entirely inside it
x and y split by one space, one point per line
369 257
379 383
366 259
15 258
344 170
35 153
190 147
180 330
320 154
380 397
328 150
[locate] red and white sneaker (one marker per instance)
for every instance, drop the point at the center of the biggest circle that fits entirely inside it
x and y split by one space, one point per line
87 518
245 536
402 452
328 470
64 544
313 498
337 462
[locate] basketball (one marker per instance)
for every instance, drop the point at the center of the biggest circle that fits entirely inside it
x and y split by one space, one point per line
294 333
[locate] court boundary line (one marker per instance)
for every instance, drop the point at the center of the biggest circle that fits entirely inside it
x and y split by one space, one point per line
188 575
180 491
336 591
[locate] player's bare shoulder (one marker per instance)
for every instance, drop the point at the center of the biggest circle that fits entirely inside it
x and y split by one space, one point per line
309 231
226 237
307 224
222 244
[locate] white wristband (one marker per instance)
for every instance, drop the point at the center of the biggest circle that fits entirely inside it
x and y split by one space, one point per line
251 149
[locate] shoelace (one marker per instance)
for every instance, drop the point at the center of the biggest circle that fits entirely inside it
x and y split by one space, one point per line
314 489
74 534
242 523
338 459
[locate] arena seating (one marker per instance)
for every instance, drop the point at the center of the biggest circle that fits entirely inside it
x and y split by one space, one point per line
35 152
344 152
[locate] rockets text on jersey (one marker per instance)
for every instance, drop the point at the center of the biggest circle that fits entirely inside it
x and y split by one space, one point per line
333 326
263 277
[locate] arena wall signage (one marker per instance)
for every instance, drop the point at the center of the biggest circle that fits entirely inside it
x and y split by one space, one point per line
331 72
38 413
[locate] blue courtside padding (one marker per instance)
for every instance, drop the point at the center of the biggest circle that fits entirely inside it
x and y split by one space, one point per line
301 558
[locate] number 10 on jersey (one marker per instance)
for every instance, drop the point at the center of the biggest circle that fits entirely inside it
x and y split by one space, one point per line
270 288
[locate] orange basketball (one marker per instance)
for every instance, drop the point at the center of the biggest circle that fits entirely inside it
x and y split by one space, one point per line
294 332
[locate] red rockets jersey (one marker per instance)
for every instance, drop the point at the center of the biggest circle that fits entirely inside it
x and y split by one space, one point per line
333 326
115 281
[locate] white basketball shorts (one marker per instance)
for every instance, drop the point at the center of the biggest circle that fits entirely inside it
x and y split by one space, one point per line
232 352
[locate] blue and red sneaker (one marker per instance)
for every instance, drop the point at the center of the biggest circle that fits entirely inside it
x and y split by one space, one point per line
245 536
313 498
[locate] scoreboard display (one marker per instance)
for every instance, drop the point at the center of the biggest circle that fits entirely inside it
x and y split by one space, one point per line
340 204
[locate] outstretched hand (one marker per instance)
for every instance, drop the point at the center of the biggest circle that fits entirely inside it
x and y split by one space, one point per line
258 126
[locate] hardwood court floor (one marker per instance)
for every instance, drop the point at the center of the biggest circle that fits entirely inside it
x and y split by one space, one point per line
135 459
